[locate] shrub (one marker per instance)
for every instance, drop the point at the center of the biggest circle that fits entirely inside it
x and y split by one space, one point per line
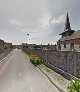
74 85
35 60
8 46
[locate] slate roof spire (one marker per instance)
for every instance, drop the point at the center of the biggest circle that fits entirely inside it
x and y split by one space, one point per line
67 23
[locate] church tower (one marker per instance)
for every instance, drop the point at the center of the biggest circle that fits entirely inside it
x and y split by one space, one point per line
67 28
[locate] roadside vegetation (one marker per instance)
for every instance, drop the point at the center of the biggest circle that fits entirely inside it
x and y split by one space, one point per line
74 85
35 60
8 46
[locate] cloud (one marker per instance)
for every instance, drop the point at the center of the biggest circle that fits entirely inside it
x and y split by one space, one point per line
59 7
15 22
58 20
42 19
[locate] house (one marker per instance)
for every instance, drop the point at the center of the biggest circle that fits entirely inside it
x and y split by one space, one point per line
70 39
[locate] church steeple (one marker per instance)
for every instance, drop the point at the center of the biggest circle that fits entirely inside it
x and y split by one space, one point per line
67 30
67 23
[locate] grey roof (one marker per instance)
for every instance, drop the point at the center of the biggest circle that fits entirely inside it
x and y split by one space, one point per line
75 35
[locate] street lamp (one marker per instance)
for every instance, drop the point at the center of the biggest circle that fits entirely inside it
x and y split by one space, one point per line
27 38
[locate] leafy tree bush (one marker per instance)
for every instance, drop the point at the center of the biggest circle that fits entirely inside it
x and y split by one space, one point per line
35 60
74 85
8 46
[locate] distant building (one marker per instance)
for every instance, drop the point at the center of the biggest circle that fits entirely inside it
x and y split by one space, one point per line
25 45
34 46
70 40
49 47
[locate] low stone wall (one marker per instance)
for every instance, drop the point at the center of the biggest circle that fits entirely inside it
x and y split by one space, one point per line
65 62
5 53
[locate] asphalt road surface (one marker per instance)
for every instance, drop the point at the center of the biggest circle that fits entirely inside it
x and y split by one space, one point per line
17 74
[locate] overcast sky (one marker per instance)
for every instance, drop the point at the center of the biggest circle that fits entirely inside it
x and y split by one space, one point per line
43 20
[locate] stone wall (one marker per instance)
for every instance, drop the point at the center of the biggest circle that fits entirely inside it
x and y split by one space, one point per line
2 49
5 53
64 62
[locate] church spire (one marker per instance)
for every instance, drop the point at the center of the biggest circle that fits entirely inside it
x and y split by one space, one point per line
67 23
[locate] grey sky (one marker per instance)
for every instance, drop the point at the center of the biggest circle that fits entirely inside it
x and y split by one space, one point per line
42 19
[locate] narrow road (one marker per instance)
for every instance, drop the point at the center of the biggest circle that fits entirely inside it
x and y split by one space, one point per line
17 74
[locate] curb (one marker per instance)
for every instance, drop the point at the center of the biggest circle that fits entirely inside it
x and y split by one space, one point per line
54 83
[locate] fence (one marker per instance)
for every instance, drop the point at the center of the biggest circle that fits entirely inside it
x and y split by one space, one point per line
66 63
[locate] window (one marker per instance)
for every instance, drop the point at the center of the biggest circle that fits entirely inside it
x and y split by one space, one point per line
72 45
64 45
